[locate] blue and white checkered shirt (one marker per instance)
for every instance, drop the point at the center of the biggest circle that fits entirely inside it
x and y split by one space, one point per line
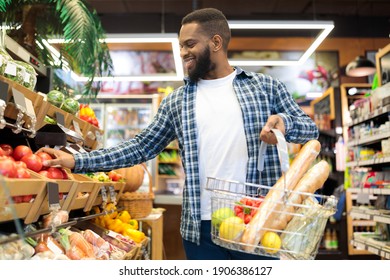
259 97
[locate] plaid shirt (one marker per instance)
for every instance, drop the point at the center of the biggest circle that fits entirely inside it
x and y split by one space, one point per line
259 97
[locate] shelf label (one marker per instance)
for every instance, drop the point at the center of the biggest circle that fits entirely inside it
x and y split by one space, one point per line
77 127
30 108
53 195
60 118
373 250
4 91
19 98
381 219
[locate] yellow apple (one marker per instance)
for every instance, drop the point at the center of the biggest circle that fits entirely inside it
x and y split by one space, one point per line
219 215
231 228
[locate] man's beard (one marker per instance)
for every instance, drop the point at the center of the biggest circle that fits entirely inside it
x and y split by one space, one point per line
202 67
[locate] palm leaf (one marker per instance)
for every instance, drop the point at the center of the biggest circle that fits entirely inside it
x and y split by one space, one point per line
4 4
78 25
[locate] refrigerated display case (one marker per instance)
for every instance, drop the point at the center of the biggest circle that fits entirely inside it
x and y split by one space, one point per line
122 117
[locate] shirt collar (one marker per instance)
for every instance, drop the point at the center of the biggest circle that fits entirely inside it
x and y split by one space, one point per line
238 69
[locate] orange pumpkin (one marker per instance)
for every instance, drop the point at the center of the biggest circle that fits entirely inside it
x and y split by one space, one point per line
134 177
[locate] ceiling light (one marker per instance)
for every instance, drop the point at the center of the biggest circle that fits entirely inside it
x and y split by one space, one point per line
324 27
141 38
360 67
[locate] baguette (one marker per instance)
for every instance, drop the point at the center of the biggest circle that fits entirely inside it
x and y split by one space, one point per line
310 182
273 201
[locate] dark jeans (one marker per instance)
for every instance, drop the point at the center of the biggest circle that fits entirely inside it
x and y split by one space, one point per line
207 250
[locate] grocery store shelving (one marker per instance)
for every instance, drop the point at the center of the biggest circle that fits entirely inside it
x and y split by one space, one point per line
375 113
372 247
368 139
369 162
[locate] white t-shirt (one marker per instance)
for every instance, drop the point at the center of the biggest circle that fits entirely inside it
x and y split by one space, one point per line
221 139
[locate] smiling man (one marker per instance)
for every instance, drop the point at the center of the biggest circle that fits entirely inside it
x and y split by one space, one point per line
219 117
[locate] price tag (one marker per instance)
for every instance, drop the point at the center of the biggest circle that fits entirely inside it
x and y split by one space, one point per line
104 194
363 198
112 194
71 150
4 91
60 118
53 195
81 149
19 98
29 108
10 69
77 127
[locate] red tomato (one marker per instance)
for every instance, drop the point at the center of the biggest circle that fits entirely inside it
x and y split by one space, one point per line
21 151
64 174
20 164
17 199
7 149
55 173
33 162
247 218
2 153
7 168
44 173
114 176
27 198
22 173
7 157
44 156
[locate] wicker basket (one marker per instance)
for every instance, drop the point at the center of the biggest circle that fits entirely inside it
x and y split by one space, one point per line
138 204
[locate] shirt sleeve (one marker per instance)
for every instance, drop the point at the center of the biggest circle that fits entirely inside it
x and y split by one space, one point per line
300 128
145 146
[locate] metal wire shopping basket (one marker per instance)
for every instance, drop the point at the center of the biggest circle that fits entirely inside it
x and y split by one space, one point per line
291 230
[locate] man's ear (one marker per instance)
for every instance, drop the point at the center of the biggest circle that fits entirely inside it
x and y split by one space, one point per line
217 42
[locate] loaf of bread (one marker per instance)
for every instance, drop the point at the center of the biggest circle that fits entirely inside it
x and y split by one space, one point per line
273 202
313 180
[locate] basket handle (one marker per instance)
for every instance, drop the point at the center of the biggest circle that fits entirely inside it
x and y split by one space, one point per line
282 152
143 164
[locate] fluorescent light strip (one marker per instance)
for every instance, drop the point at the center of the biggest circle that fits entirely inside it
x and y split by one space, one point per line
325 26
141 38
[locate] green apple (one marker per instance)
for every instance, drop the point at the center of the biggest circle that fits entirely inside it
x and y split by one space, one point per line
231 228
221 214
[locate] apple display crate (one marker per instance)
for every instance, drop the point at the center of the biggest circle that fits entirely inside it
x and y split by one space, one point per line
299 239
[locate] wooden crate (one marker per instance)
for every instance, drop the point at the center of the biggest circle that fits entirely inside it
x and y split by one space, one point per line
86 192
35 186
51 111
68 189
91 136
35 98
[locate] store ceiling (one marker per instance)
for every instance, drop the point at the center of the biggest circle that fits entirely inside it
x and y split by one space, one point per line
353 18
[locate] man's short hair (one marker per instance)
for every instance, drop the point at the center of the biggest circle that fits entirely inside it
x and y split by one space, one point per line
212 22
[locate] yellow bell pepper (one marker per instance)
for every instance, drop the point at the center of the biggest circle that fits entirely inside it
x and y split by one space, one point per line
136 235
124 216
111 207
133 223
116 226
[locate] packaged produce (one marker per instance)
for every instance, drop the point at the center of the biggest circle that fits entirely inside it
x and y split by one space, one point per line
15 250
30 75
70 105
4 58
15 72
304 232
55 97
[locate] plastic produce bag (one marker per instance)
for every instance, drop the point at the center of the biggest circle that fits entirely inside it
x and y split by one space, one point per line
30 75
304 232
